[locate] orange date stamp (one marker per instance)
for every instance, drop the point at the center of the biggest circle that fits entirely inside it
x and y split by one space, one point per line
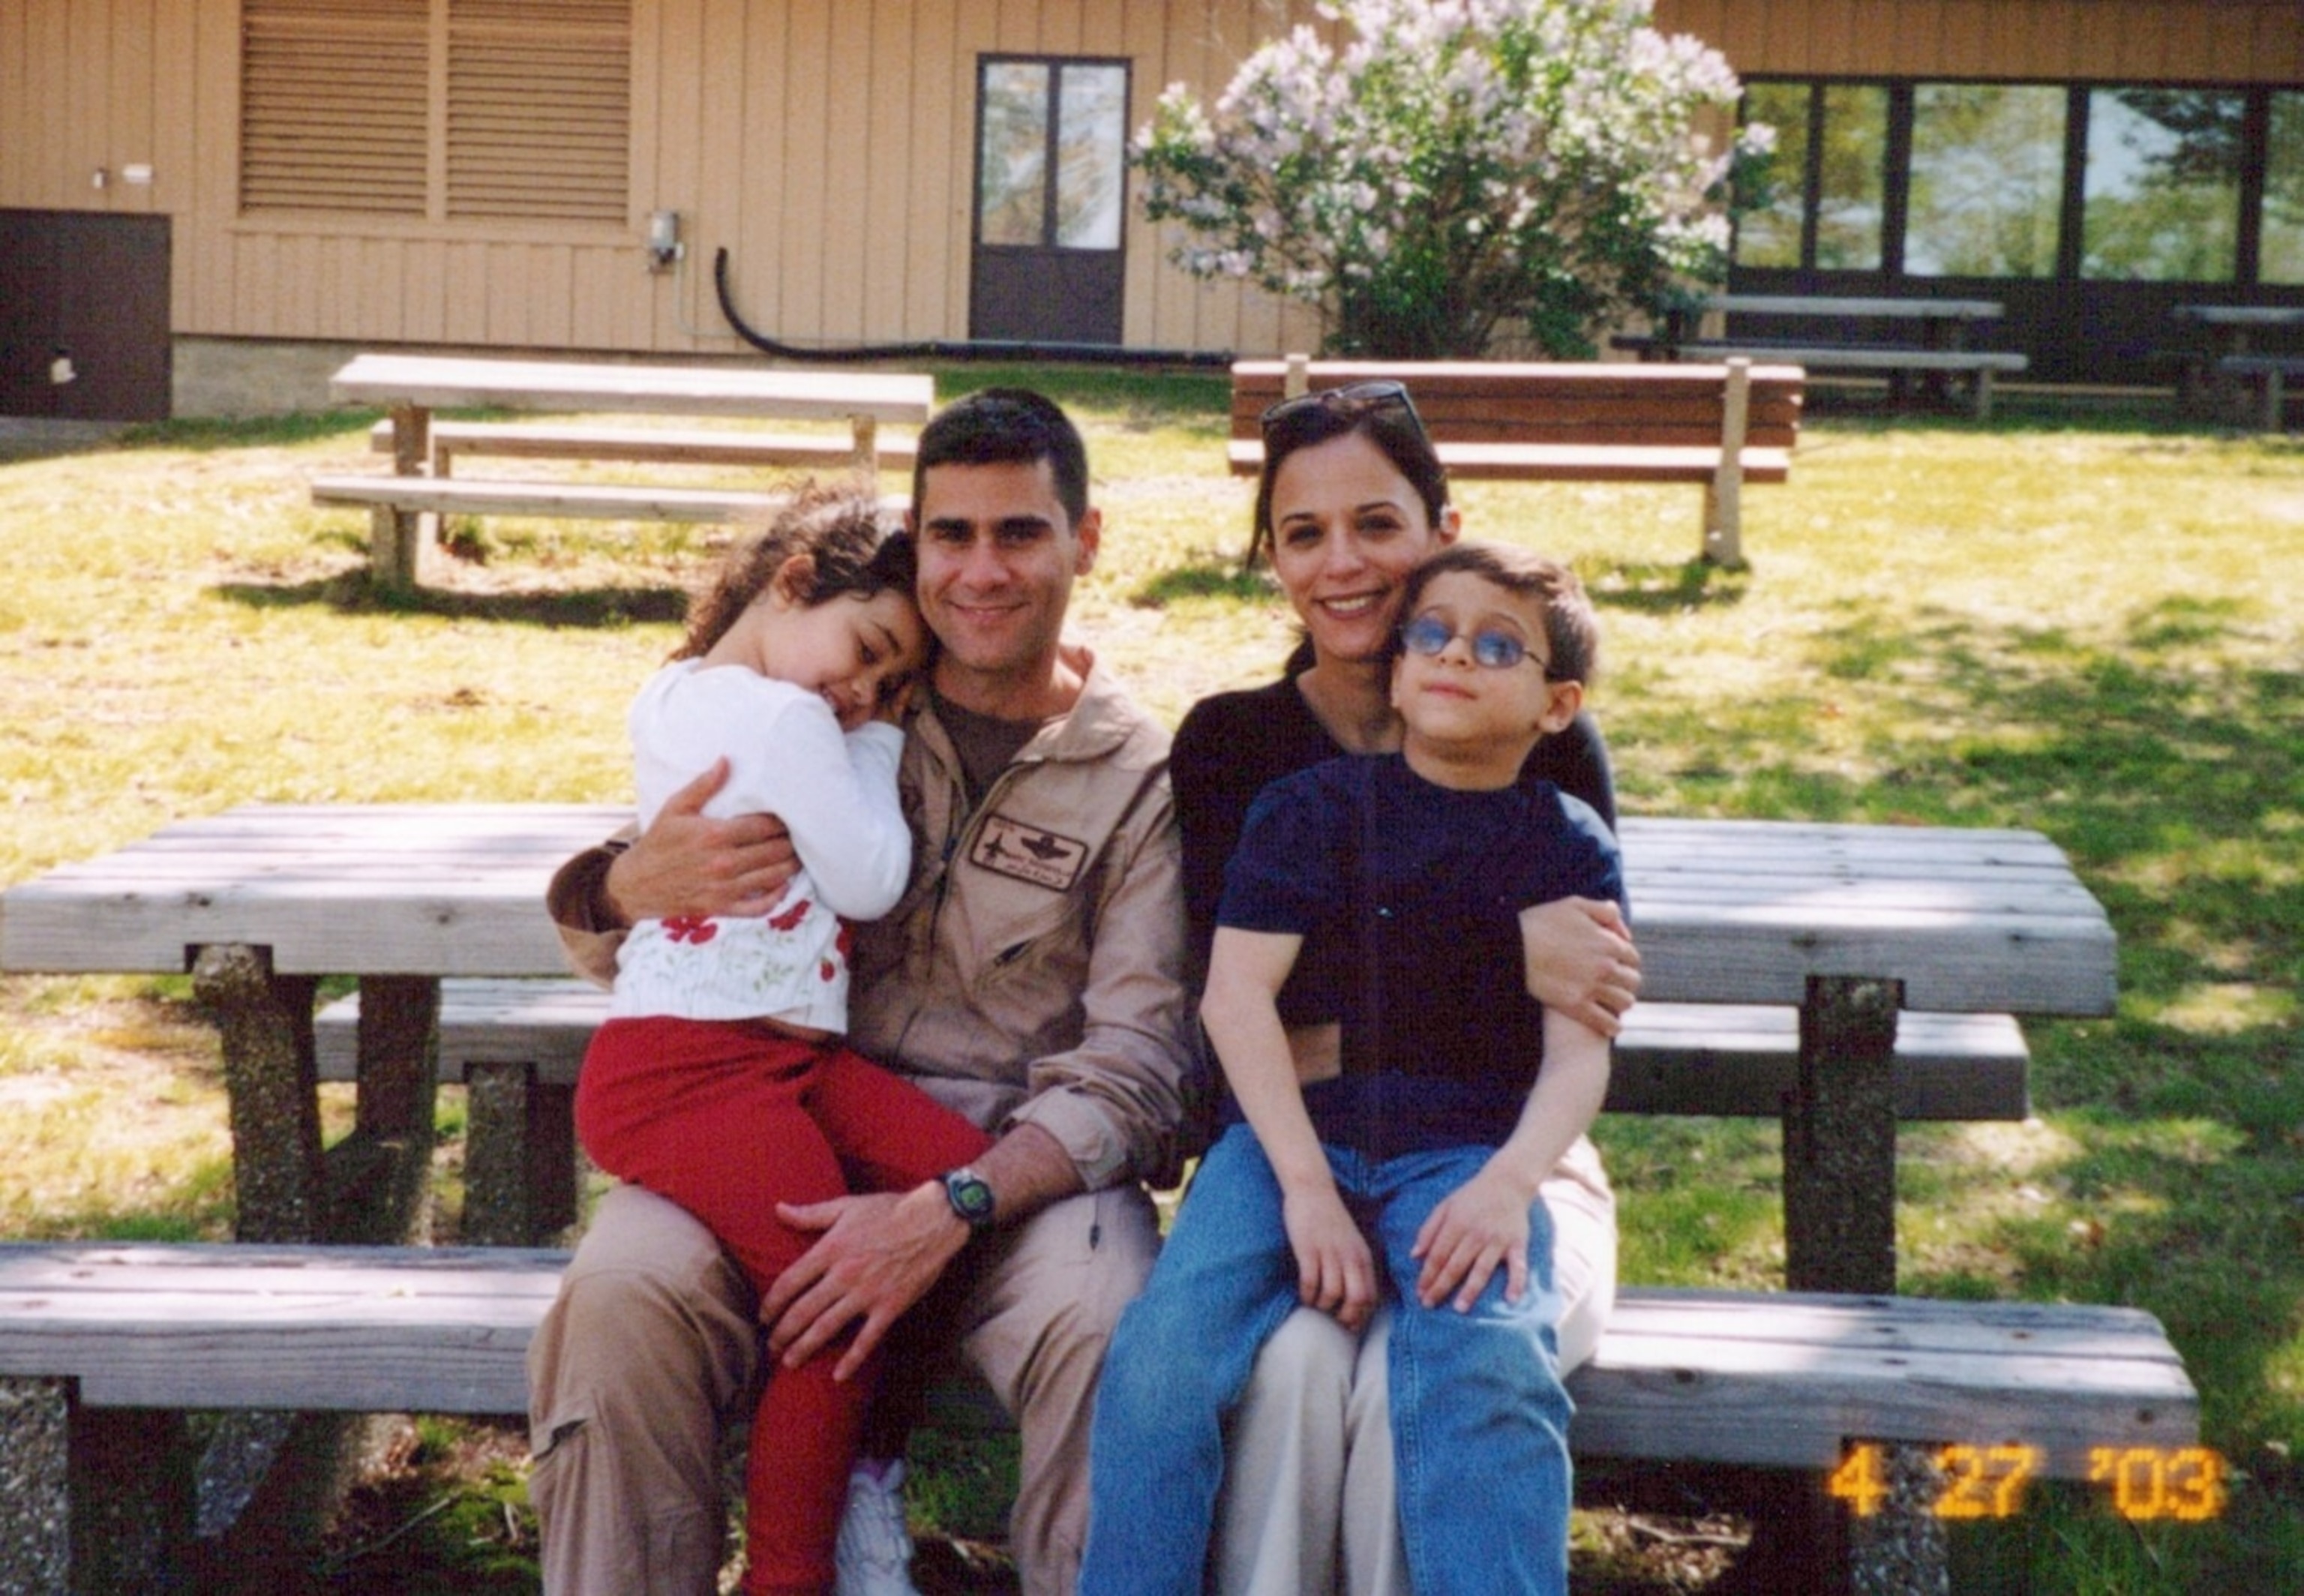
2182 1484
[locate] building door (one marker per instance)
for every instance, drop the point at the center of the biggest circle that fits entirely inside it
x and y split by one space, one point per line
84 316
1050 182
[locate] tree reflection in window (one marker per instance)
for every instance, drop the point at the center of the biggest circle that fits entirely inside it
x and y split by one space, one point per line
2280 257
1017 204
1987 174
2162 184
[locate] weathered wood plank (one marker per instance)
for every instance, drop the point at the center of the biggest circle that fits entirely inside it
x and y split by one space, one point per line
1988 921
465 496
1766 1379
646 445
438 382
1672 1057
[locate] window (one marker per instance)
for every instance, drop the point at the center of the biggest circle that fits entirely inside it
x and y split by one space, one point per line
1853 177
525 114
1051 162
2163 185
1986 179
1770 233
2281 250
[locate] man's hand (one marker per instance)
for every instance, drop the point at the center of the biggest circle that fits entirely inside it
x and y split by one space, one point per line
1581 961
878 1254
688 863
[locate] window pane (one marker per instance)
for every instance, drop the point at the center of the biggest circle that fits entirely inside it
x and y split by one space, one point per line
1013 165
1091 156
1849 210
1770 235
2163 191
2280 257
1987 171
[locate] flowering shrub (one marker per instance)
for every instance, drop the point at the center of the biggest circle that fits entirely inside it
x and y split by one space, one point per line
1457 167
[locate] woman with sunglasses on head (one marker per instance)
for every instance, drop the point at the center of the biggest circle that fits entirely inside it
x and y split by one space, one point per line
1351 498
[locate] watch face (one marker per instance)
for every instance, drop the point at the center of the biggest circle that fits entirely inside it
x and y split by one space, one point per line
969 1195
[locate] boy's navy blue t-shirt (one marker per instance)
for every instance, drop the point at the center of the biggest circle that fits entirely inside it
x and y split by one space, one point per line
1438 878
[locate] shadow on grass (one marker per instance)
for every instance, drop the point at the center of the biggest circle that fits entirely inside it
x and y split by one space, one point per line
350 592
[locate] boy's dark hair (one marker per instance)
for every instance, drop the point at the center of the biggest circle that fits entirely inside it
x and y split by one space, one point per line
855 542
1391 428
1572 631
1007 426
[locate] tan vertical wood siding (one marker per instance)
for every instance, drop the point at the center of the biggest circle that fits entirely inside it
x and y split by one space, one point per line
828 145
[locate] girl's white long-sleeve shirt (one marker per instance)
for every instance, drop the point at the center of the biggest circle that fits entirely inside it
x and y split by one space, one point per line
835 791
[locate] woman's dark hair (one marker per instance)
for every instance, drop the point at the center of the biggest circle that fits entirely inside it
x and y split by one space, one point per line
1391 426
1572 631
856 546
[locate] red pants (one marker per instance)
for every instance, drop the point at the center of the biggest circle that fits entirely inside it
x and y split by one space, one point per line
728 1119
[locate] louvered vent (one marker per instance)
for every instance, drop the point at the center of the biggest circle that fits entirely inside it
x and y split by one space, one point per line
539 108
333 101
337 108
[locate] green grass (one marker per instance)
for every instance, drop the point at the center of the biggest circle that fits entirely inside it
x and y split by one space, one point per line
2086 621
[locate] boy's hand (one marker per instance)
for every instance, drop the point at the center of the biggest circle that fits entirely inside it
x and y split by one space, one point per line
1479 1224
1334 1270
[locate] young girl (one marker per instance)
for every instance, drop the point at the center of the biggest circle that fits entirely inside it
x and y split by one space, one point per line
719 1082
1404 1157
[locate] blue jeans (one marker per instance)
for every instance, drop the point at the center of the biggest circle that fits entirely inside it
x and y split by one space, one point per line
1479 1418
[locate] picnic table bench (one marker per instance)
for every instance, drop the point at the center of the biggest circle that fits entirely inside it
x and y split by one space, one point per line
1822 332
516 1046
1719 427
407 501
104 1347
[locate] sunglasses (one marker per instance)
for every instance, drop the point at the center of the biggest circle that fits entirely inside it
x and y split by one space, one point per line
1430 636
1353 401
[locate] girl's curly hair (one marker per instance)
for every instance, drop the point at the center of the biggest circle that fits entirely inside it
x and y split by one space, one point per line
855 541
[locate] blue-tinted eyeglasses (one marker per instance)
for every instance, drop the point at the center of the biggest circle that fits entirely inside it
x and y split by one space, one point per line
1430 636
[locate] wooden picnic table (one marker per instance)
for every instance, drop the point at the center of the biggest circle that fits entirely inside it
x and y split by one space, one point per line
1818 338
2215 377
1851 923
412 387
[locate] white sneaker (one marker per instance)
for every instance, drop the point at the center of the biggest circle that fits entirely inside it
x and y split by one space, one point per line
874 1554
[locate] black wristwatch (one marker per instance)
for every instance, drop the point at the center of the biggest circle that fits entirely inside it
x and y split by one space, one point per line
971 1198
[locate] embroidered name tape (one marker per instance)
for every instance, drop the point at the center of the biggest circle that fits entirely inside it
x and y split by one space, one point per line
1009 847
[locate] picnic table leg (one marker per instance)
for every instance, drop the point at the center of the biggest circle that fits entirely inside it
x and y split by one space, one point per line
265 1023
1840 1235
520 1156
398 537
380 1176
286 1472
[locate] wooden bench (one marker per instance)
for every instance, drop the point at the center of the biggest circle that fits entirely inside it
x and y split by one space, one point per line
650 446
516 1046
103 1346
2271 373
1719 427
463 495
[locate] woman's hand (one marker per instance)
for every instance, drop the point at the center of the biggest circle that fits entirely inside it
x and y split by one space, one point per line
1479 1224
1581 961
687 862
1336 1272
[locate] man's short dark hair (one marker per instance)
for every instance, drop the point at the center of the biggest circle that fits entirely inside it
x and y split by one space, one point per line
1007 426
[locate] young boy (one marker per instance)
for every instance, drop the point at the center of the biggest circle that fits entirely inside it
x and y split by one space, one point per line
1387 889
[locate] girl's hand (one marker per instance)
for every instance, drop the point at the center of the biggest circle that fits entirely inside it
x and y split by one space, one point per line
1334 1270
1479 1224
